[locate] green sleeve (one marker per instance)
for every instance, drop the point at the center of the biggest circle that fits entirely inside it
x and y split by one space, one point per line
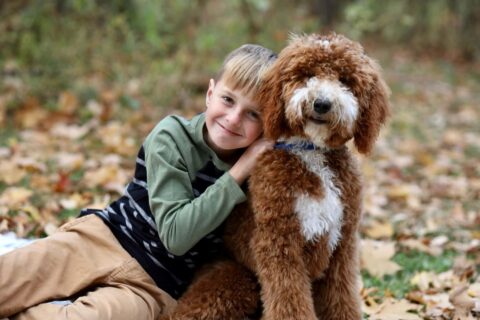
181 219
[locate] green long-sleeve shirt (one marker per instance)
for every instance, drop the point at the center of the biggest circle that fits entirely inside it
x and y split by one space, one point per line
175 151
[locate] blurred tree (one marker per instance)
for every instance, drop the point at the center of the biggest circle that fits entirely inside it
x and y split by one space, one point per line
328 11
448 27
173 46
247 9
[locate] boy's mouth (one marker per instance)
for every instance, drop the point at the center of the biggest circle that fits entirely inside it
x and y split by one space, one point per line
228 130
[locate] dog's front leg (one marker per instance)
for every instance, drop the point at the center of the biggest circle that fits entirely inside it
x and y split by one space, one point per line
337 295
284 280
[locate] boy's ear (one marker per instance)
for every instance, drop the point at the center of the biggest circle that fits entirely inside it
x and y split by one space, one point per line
208 96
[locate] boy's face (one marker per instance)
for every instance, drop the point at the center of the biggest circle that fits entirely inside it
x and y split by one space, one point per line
233 120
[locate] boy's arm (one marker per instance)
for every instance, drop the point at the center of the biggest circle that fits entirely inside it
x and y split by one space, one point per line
181 219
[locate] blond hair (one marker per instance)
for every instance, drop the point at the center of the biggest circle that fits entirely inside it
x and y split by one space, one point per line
244 67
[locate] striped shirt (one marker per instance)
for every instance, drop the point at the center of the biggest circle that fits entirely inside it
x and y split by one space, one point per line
136 227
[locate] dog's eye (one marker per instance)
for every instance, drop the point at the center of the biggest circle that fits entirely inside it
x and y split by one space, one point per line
343 80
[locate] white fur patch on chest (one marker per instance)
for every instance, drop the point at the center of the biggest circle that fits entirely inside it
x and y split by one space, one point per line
319 217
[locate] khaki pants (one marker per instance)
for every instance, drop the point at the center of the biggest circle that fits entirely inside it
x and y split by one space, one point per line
83 260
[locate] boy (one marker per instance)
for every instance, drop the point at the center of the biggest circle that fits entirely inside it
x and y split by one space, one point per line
134 258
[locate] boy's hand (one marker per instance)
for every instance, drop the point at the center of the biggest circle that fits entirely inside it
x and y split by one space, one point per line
244 165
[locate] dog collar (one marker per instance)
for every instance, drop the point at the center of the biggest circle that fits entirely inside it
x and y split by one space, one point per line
302 145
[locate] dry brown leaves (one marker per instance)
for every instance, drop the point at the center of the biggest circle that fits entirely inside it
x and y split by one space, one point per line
422 183
55 165
423 191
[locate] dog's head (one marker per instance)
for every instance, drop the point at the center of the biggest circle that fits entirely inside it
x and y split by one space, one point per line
326 90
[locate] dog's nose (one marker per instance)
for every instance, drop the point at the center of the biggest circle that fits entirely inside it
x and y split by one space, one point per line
322 106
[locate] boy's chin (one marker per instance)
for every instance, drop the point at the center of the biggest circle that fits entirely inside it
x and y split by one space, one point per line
224 144
225 149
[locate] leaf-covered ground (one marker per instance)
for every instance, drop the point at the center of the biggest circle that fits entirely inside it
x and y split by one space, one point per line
421 230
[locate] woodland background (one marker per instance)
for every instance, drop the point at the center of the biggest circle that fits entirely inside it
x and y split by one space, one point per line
82 82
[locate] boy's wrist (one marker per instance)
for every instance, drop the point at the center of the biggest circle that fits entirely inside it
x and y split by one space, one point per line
237 175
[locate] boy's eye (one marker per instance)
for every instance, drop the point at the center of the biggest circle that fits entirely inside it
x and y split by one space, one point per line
227 99
253 115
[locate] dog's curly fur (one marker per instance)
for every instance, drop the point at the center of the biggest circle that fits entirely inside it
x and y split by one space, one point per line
297 234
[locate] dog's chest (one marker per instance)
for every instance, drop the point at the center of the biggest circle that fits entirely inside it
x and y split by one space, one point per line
320 216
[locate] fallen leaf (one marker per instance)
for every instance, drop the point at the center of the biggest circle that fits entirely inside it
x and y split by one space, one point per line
50 228
69 161
439 241
449 187
370 306
117 138
474 290
437 305
463 303
396 310
379 230
32 212
99 202
5 152
110 177
30 114
375 257
63 182
74 201
31 165
417 244
71 132
453 137
10 173
463 268
424 280
406 193
67 103
430 281
14 197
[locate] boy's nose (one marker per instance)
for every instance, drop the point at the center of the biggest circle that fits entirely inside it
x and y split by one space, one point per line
234 117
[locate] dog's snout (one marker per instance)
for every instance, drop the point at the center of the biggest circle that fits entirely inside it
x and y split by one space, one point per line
322 106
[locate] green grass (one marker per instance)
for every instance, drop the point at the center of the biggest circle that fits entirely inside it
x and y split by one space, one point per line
472 151
411 262
68 213
77 175
8 133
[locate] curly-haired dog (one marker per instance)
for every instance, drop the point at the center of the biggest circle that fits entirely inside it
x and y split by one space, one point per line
298 233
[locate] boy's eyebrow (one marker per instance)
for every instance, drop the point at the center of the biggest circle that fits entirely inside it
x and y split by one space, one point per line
254 109
228 91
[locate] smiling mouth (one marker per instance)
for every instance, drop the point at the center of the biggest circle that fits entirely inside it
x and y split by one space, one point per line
229 131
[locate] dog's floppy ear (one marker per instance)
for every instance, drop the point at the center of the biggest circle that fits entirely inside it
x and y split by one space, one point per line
270 98
374 107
